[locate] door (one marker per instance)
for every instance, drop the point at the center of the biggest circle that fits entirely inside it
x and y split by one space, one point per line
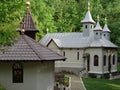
109 63
88 63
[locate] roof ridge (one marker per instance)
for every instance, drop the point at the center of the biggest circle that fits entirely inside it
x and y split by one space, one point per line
32 46
36 51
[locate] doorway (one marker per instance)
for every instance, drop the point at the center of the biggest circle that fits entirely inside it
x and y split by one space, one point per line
88 62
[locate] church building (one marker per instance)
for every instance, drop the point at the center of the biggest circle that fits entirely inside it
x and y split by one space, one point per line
90 50
27 65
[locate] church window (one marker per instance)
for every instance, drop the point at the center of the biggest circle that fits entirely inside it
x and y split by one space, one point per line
86 26
91 26
78 56
113 59
63 53
104 60
96 60
17 73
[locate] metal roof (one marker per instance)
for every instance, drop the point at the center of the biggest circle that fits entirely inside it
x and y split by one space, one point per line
103 43
75 40
27 49
27 22
106 29
88 18
97 27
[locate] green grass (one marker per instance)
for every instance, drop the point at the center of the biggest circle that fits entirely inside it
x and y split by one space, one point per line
1 88
101 84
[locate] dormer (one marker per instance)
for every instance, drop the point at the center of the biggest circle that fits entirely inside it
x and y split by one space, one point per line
88 23
106 31
97 32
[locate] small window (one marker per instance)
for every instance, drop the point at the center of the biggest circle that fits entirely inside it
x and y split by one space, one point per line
86 26
96 33
63 53
113 59
91 26
96 60
17 73
104 60
104 34
109 59
78 56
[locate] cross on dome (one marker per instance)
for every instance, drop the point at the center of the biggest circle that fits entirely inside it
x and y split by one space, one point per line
88 6
98 18
28 4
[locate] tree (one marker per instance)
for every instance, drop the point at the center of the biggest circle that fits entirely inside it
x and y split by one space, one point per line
43 16
10 16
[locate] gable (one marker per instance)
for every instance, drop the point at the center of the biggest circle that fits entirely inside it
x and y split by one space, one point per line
52 45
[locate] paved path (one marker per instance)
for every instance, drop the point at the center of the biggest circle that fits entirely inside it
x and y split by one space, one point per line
76 83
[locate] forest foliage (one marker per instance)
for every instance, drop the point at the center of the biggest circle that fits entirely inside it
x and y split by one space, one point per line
57 16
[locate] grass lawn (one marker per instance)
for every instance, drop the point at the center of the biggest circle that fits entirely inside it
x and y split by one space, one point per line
101 84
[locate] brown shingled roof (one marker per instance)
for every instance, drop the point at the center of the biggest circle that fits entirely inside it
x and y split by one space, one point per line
27 22
27 49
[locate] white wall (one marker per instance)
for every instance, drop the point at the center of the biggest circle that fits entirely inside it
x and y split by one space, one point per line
95 51
101 68
113 67
36 76
70 54
72 62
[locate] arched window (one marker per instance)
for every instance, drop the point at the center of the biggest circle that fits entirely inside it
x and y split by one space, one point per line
113 59
109 63
104 60
17 73
86 26
96 33
63 53
96 60
91 26
109 59
78 56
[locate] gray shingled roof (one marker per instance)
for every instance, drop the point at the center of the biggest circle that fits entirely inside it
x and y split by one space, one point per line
88 18
75 40
106 29
27 22
97 27
27 49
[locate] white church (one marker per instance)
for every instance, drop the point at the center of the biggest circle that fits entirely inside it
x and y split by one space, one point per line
90 50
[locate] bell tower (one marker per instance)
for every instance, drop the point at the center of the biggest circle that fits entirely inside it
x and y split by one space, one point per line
88 23
97 30
106 31
28 24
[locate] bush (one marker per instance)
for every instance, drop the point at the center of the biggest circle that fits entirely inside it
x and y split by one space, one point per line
2 88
